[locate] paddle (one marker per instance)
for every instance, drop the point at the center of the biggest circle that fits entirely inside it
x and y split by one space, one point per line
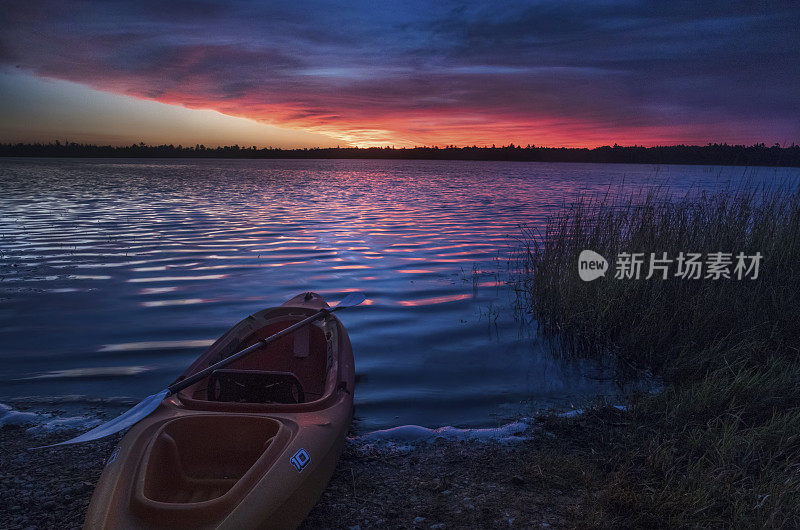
150 403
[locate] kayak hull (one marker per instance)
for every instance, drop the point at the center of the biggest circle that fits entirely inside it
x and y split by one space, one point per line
204 463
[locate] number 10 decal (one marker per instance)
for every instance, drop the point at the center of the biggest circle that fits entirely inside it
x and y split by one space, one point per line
300 460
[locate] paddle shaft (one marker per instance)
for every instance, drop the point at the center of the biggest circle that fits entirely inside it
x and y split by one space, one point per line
189 381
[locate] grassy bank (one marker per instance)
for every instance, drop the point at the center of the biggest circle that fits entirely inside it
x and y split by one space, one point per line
721 444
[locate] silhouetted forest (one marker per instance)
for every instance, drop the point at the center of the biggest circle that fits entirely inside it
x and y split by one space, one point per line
715 154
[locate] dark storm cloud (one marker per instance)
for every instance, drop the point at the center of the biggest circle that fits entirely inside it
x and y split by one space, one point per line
439 72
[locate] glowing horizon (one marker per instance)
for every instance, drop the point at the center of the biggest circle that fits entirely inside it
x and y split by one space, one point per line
67 111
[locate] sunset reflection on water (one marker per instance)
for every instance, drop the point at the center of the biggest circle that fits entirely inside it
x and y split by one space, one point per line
108 266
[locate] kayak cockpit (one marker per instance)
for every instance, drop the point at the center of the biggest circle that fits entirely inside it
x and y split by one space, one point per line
200 458
205 463
300 368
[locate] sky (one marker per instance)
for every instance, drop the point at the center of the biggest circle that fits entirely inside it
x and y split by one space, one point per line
324 73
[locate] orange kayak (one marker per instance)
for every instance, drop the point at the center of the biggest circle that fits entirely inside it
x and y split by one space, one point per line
250 446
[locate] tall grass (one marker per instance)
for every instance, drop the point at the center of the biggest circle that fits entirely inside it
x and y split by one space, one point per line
675 324
721 444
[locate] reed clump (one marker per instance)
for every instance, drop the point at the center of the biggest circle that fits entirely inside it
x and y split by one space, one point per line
720 445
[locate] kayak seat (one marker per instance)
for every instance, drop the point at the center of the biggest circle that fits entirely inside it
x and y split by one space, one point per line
304 354
306 357
254 386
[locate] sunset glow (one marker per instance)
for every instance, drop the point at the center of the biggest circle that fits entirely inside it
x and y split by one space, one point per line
556 74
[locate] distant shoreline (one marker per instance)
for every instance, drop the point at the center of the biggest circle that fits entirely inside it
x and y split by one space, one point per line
711 154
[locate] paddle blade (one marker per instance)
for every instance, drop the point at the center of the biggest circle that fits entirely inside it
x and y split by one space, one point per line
352 299
123 421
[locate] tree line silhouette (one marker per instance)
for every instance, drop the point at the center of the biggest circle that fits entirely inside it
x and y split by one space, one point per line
712 154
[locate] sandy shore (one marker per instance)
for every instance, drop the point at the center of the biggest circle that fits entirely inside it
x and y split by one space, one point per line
437 484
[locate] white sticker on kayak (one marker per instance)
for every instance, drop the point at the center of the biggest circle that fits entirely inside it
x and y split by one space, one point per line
300 460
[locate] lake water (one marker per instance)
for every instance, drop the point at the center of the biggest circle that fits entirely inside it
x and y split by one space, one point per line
115 274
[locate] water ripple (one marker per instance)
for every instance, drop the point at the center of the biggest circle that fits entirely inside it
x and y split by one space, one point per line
114 275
